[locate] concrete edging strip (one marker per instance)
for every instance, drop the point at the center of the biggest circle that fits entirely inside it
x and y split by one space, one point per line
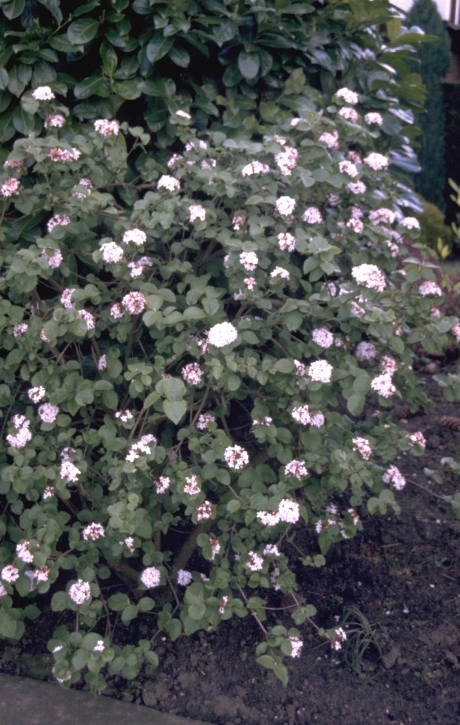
31 702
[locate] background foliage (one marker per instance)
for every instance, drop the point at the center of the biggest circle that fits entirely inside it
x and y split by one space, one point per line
435 60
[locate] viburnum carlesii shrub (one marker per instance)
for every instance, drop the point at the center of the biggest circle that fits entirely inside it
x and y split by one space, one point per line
151 386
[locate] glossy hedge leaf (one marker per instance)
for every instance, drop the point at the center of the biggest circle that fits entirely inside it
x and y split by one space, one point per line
158 47
248 64
13 9
91 86
82 31
180 57
54 7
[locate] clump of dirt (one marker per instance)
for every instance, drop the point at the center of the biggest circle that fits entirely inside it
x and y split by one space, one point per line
396 584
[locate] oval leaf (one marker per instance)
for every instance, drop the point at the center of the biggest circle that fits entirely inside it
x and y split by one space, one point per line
82 31
175 409
248 64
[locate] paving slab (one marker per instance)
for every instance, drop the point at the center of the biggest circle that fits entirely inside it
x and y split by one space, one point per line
30 702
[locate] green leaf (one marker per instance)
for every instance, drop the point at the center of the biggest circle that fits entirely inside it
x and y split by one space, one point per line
60 601
129 613
179 56
295 83
158 47
80 659
266 661
13 9
248 64
145 604
196 611
175 410
355 403
174 389
91 86
118 602
54 7
82 31
9 625
127 89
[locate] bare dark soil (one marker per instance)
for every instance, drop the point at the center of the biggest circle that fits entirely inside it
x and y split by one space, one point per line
397 582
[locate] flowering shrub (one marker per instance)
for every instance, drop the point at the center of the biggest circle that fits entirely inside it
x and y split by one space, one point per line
130 328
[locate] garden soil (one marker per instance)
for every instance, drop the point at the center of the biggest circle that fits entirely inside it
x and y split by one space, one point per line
397 582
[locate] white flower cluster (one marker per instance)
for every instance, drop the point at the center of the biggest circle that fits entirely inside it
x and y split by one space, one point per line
249 260
254 167
376 161
66 298
124 415
88 318
68 471
370 276
236 457
312 215
58 220
322 337
417 438
168 182
111 252
196 211
349 114
320 371
366 351
348 96
317 420
59 155
285 205
36 394
264 422
192 374
10 187
54 260
184 577
410 222
138 267
255 562
373 118
393 475
347 167
430 288
20 329
22 435
222 334
134 303
84 190
296 469
280 273
9 573
203 420
388 365
136 236
93 532
330 139
356 225
383 385
339 637
357 187
296 646
55 120
286 242
80 592
48 412
23 552
301 414
162 484
151 577
204 511
286 160
106 128
192 485
382 216
43 93
363 447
